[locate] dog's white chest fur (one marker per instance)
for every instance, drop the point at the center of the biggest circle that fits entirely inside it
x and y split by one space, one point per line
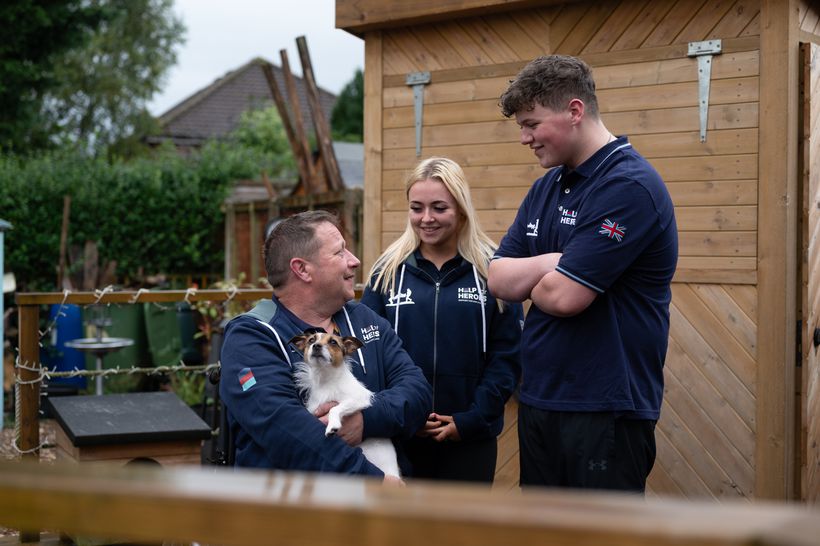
324 383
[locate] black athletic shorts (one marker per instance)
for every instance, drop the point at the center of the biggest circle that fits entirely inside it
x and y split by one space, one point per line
589 450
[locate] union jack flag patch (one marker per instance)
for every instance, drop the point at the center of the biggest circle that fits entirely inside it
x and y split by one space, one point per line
613 230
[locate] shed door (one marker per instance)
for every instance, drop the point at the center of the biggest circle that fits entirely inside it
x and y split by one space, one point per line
810 148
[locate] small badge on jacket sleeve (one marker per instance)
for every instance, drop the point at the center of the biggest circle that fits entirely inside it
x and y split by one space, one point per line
246 379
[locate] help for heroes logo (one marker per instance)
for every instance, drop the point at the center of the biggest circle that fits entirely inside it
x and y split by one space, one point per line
370 333
568 217
472 295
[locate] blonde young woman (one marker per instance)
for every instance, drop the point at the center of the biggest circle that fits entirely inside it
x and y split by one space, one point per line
431 284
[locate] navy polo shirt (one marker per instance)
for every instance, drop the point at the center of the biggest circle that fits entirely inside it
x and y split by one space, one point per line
614 223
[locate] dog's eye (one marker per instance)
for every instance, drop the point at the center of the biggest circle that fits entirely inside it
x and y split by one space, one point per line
333 342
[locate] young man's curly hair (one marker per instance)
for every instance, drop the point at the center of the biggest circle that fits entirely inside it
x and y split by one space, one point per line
551 81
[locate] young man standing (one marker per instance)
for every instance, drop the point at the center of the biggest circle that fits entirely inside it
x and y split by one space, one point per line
594 246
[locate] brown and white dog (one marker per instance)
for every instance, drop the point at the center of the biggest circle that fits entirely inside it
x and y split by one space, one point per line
325 376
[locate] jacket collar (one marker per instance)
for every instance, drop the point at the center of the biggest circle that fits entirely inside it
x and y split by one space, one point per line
412 264
303 326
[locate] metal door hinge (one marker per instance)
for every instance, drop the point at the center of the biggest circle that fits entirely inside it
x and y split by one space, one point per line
418 80
704 52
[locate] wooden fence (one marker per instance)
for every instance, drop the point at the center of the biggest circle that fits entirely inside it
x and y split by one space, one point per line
29 340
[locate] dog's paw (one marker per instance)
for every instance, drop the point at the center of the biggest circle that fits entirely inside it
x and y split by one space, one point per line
334 423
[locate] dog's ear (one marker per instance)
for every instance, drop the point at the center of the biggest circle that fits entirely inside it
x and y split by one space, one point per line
351 344
299 341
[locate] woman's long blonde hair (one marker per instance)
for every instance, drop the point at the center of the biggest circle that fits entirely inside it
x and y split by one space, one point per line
473 244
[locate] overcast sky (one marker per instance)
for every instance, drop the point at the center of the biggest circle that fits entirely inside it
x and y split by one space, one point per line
224 35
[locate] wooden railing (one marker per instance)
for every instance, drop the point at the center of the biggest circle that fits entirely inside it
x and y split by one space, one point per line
29 339
219 506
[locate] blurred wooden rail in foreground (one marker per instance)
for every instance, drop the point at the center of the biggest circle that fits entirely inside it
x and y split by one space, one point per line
217 506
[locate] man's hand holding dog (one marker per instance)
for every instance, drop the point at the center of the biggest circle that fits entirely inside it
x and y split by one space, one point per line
352 425
440 428
351 433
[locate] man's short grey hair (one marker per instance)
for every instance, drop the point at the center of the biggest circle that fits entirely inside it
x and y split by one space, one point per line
293 237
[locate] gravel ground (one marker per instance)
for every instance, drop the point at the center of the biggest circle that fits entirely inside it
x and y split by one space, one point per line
9 453
47 436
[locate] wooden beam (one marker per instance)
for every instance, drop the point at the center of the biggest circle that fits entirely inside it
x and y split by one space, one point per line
777 250
28 392
298 123
373 114
240 507
253 243
29 388
63 241
323 135
809 425
360 16
230 242
279 100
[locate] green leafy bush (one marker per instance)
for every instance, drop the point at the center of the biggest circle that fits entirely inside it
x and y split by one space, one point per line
158 215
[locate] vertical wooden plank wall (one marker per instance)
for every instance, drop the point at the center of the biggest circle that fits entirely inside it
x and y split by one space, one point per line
809 171
707 441
810 393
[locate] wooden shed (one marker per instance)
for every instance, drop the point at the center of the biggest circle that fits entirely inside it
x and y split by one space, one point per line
741 414
253 206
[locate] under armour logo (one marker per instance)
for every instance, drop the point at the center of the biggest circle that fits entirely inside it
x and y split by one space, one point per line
597 466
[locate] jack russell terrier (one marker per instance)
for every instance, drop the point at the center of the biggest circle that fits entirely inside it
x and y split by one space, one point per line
325 376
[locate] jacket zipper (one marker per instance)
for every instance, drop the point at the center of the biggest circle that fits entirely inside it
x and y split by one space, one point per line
435 327
435 342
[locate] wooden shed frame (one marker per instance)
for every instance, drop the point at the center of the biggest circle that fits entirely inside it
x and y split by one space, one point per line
781 266
246 224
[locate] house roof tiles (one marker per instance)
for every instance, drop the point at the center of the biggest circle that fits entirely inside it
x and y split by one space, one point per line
214 111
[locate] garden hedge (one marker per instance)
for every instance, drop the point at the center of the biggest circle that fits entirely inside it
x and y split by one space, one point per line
158 215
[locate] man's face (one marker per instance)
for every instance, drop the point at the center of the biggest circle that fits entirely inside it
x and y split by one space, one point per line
334 266
549 134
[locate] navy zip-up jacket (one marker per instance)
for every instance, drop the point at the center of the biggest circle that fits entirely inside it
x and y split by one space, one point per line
271 426
441 325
